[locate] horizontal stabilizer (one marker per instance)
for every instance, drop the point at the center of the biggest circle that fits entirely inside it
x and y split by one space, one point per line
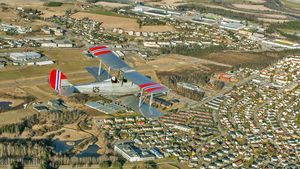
132 102
150 112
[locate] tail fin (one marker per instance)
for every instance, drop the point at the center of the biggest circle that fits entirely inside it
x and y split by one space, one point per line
59 82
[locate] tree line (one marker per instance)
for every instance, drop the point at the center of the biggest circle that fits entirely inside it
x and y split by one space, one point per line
193 50
56 117
172 78
290 25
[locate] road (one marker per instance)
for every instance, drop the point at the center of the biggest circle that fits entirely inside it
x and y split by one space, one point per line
215 114
208 99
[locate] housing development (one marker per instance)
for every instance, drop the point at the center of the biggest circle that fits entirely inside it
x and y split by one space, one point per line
149 84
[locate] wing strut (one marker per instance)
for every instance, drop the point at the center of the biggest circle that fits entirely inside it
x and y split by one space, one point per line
100 66
150 103
141 98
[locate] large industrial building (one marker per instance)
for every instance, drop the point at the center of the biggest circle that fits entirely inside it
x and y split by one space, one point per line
1 65
132 153
189 86
232 25
278 43
155 11
24 56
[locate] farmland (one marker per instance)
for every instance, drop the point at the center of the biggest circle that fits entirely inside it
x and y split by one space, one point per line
110 22
252 7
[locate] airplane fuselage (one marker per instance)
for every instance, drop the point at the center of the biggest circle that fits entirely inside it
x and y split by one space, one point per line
108 88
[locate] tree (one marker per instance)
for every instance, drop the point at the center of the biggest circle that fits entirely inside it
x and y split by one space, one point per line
16 165
219 84
46 165
92 1
68 11
116 164
117 132
105 164
146 165
298 119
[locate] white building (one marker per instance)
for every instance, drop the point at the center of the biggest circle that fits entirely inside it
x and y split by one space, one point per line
147 10
1 65
277 43
49 44
182 128
189 86
64 44
231 25
42 63
23 56
151 44
131 153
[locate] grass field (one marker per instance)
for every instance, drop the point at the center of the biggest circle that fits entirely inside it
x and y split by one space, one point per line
67 60
103 11
290 31
54 4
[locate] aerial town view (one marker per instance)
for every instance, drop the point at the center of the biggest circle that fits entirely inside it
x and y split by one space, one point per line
149 84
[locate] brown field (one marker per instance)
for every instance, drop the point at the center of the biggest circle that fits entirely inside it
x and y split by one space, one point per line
268 20
252 7
13 91
178 62
256 1
15 116
10 16
49 14
165 2
174 62
276 16
39 4
110 22
234 58
14 102
23 3
111 4
71 134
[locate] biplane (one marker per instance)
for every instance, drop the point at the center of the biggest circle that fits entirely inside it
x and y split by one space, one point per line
127 82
